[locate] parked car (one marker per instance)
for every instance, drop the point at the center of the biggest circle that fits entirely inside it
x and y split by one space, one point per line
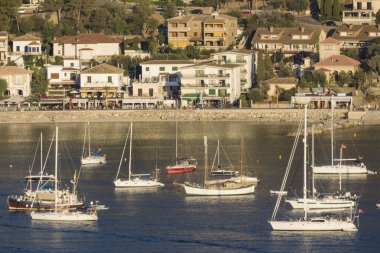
22 11
329 23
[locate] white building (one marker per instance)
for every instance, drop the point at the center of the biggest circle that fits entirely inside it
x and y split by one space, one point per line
18 80
63 78
86 46
164 73
211 83
363 12
26 45
102 80
3 47
247 59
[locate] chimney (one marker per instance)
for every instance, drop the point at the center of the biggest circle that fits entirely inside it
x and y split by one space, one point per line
271 28
302 29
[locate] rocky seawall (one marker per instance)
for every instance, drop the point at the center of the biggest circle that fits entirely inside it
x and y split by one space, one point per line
288 115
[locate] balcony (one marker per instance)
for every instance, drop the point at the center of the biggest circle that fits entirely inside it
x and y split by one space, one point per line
205 85
178 29
206 76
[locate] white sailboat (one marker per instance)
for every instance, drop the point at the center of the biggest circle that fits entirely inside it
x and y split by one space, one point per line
59 215
357 167
306 223
323 201
92 158
218 187
134 180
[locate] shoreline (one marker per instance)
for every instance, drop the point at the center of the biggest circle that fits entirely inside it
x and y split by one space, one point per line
255 115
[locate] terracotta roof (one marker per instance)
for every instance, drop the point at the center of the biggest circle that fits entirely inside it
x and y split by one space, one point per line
27 37
104 68
360 32
337 60
13 70
207 18
213 64
86 38
284 35
237 51
329 40
168 62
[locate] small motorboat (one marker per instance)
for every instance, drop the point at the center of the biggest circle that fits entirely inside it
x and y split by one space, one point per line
97 206
272 192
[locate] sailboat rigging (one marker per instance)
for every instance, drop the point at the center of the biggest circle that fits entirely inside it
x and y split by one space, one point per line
96 157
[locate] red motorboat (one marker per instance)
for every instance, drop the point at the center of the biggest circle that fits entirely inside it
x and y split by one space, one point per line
182 166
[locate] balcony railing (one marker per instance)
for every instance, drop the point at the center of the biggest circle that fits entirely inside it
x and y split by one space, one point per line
205 85
206 76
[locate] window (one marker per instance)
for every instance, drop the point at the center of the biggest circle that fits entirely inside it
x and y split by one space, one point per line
59 51
18 79
72 64
89 79
174 25
65 74
72 76
109 79
54 76
174 68
273 37
162 68
328 47
305 37
139 92
151 92
18 49
146 68
265 36
195 34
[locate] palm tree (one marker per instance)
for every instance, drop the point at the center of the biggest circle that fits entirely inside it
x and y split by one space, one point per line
278 91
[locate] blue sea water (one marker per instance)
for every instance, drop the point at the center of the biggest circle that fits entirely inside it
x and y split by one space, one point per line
165 219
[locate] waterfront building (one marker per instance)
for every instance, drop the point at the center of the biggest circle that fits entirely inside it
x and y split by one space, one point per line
3 47
356 36
87 46
213 31
18 80
210 83
64 78
103 81
284 83
248 63
363 12
334 64
290 41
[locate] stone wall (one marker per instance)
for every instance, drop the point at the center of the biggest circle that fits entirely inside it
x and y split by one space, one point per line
291 115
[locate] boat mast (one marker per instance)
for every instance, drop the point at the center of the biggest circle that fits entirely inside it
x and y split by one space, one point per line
205 175
176 140
241 159
130 155
89 139
56 170
218 153
332 130
340 169
304 163
41 157
312 160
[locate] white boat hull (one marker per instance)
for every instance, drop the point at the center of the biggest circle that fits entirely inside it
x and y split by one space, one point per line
343 169
320 204
136 183
93 160
64 216
244 179
190 190
333 225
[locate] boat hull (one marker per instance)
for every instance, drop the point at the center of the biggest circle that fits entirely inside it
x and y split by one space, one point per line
20 204
180 169
136 183
320 204
312 226
93 160
343 169
63 216
190 190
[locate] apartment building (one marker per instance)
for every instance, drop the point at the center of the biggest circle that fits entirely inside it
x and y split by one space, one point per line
363 12
208 82
18 80
3 47
246 58
289 40
356 36
87 46
208 31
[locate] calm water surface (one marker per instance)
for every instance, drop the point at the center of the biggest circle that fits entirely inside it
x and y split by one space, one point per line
165 220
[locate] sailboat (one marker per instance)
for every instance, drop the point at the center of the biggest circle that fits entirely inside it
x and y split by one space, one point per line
134 180
92 158
182 165
323 201
58 214
218 187
323 223
39 193
357 167
221 170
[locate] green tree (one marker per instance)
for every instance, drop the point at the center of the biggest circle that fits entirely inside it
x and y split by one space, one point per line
378 17
8 13
336 10
260 70
169 9
39 84
284 70
342 78
278 56
268 65
53 5
374 64
327 9
298 5
3 88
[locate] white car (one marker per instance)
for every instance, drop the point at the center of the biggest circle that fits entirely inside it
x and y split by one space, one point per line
22 11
